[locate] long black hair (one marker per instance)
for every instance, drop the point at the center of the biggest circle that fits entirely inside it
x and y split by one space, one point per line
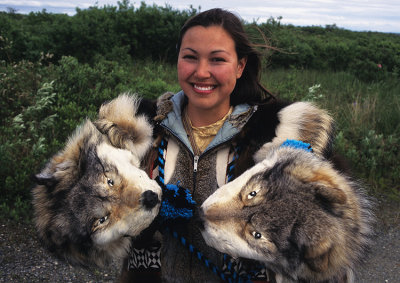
248 88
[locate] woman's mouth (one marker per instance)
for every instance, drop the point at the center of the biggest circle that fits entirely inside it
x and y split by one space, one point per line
203 88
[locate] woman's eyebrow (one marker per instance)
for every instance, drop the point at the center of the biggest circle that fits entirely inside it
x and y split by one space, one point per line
219 50
212 52
190 49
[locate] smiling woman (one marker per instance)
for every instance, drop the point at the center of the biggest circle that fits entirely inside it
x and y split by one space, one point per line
205 136
208 72
199 132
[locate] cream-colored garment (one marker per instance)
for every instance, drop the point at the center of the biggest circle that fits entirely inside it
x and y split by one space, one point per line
205 134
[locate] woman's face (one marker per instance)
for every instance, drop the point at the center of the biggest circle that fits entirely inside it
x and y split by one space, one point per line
208 68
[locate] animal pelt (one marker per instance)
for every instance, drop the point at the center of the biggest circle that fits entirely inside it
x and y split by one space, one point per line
275 122
92 196
294 212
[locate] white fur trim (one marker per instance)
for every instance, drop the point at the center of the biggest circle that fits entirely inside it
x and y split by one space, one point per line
170 159
295 122
222 161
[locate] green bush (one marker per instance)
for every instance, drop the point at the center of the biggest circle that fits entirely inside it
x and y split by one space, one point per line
56 70
367 117
376 158
121 33
39 114
26 142
113 32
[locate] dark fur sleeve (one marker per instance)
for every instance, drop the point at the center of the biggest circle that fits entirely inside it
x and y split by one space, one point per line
277 121
259 130
147 107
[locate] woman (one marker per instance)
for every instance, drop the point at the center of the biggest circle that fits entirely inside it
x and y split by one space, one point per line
222 116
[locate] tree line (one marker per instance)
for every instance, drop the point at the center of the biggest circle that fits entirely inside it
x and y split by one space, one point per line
56 70
123 31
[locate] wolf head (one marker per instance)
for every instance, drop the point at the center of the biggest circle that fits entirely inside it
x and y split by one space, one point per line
294 212
92 194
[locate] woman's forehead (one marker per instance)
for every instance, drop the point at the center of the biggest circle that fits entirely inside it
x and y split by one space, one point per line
214 38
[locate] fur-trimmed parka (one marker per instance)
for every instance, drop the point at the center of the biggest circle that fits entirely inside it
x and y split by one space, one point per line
248 129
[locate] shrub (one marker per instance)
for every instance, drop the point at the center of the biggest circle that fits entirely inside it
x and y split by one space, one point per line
375 158
26 141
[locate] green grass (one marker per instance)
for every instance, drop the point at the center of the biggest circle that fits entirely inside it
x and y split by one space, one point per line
367 117
43 103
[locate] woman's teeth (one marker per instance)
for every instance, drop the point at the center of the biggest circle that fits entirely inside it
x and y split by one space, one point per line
203 88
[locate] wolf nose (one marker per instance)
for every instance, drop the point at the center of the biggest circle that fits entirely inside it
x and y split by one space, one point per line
149 199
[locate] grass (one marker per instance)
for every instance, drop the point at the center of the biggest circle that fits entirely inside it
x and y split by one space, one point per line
367 116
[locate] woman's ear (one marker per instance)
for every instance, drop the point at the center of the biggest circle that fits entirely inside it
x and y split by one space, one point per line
241 65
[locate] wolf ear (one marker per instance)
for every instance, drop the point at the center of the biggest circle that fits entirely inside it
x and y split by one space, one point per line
67 164
44 178
119 121
332 195
329 185
317 257
331 190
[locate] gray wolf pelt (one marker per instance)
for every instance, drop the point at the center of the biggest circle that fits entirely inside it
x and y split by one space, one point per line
294 212
92 196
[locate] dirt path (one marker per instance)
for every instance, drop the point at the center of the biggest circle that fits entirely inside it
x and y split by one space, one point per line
22 259
383 263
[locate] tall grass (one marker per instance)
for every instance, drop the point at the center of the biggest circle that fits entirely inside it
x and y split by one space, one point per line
367 117
42 104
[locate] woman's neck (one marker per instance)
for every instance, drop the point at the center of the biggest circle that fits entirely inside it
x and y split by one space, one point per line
200 117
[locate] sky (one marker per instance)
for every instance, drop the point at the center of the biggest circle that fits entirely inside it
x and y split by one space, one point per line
356 15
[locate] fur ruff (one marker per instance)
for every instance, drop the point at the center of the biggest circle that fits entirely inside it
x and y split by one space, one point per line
296 213
92 194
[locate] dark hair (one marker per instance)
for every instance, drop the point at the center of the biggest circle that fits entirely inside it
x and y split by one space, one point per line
248 88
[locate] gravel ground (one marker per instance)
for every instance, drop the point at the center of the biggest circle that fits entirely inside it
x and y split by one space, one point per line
22 259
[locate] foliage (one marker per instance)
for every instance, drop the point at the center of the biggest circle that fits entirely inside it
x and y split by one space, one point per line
56 70
43 103
367 117
117 33
377 158
25 143
369 55
123 32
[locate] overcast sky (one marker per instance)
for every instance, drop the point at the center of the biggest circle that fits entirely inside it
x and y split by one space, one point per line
358 15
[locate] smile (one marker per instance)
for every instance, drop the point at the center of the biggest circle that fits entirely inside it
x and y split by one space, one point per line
203 88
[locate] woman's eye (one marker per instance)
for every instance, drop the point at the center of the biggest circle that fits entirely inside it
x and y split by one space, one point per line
218 59
110 182
256 235
190 57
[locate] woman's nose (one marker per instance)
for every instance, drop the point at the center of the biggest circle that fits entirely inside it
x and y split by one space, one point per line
203 70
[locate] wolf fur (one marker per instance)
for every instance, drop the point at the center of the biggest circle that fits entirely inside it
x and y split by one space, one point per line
92 194
305 122
294 212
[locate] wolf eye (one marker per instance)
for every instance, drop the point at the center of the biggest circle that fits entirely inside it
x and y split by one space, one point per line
256 235
100 221
252 194
110 182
